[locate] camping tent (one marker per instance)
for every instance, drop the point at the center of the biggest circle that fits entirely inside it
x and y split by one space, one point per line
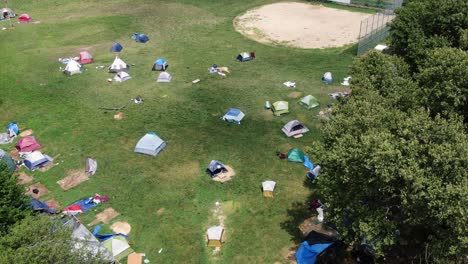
24 18
27 144
164 77
118 247
118 65
40 206
327 77
142 38
215 167
73 67
293 128
116 47
150 144
10 163
85 57
280 107
245 56
215 235
35 160
295 155
91 166
12 129
310 249
122 76
268 188
6 13
309 102
160 65
234 115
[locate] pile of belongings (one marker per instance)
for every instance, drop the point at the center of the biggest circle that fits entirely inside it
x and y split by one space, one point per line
142 38
219 70
12 131
245 56
84 205
138 100
346 81
338 94
290 84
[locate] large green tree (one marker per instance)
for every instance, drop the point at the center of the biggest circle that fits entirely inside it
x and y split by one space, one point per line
13 203
422 25
396 178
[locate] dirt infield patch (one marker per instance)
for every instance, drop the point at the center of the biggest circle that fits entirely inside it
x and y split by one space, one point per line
300 25
23 178
105 216
73 179
53 204
121 227
42 190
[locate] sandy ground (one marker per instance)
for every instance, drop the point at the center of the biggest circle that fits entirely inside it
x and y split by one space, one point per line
300 25
105 216
121 227
73 179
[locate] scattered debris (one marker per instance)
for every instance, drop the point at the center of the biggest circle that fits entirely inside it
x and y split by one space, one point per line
290 84
160 211
119 116
196 81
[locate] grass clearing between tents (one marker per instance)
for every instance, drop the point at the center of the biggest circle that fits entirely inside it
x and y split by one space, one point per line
192 35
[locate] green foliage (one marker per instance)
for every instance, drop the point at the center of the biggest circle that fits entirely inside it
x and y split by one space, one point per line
442 77
32 241
400 177
13 203
426 24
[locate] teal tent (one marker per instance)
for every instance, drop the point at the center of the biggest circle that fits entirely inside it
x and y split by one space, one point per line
295 155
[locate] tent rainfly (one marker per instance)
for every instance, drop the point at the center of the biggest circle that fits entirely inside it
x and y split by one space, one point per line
27 144
234 115
73 68
142 38
280 107
116 47
118 65
7 13
268 188
245 56
118 247
35 160
215 168
160 65
309 102
150 144
24 18
122 76
294 128
164 77
85 57
215 235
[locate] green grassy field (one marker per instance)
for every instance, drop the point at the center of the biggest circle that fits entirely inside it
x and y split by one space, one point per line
191 35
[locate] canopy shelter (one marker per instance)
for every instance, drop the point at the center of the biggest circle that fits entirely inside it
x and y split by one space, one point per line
73 68
118 65
268 188
122 77
27 144
280 107
118 247
116 47
35 160
245 56
294 128
142 38
85 57
234 115
164 77
24 18
160 65
215 235
215 168
309 102
295 155
6 13
150 144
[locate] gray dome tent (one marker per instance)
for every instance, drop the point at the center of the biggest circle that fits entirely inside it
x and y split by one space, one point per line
214 168
150 144
293 128
7 13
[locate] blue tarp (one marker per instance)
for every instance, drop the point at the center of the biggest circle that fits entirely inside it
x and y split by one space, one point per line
86 203
13 127
41 206
307 254
116 47
140 37
104 237
308 163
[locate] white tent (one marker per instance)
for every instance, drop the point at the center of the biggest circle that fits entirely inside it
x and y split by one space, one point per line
215 234
36 160
164 77
72 68
268 186
150 144
118 65
122 76
293 128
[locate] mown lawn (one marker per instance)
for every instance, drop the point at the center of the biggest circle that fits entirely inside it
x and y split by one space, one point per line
191 35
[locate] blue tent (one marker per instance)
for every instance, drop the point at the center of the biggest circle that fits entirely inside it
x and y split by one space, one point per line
41 206
13 127
314 245
104 237
160 65
116 47
142 38
234 115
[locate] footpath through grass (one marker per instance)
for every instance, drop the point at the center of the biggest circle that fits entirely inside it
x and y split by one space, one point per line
191 35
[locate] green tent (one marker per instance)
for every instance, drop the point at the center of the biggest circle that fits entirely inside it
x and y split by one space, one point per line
118 247
295 155
10 163
280 107
309 102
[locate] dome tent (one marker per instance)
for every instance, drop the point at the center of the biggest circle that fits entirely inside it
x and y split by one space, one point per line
116 47
309 102
85 57
118 65
142 38
164 77
24 18
150 144
73 68
327 77
234 115
160 65
215 168
280 107
6 13
293 128
122 76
